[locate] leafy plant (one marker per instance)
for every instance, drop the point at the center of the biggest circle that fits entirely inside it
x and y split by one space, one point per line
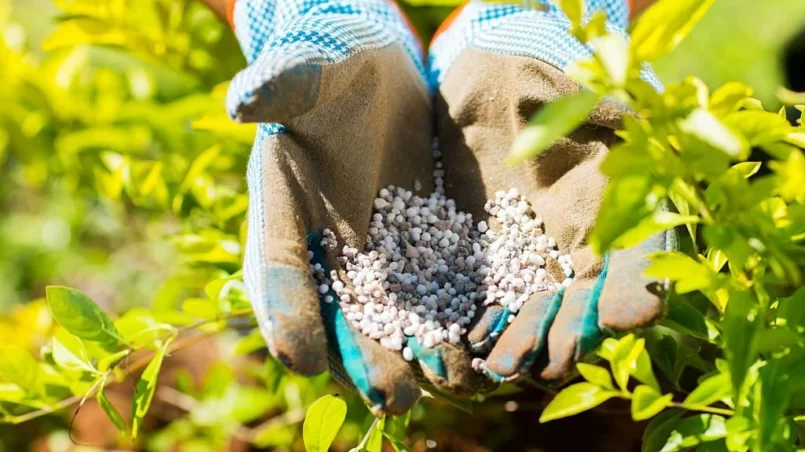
145 150
689 148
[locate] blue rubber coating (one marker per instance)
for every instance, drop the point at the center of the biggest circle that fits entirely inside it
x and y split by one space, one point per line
494 328
340 337
429 357
543 327
541 333
590 332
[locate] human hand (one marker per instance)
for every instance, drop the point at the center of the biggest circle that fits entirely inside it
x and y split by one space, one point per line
338 87
496 65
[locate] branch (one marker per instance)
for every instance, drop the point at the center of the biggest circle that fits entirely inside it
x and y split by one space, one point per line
137 365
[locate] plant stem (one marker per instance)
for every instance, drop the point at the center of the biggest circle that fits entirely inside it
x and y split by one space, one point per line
365 439
704 409
139 364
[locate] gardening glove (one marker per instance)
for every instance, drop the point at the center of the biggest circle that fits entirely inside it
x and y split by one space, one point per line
339 90
495 66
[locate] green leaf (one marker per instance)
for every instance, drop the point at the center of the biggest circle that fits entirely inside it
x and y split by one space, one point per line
688 274
791 311
575 399
707 128
110 361
84 30
596 375
275 373
612 52
144 392
323 420
653 224
251 343
138 327
550 123
69 353
728 97
663 26
396 426
81 317
111 411
746 169
717 258
624 206
775 393
19 367
777 340
643 371
394 429
709 391
398 445
695 430
625 357
607 349
375 441
740 327
199 165
647 402
792 175
758 126
200 307
658 430
662 349
574 9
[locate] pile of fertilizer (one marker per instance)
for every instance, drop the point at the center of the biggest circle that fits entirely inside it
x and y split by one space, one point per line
426 268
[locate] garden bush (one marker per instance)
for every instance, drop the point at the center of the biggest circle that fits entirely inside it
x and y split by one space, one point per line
118 135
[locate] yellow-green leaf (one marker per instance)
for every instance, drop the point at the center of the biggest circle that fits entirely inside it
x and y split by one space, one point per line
552 122
655 223
612 52
323 420
625 357
111 411
110 361
643 371
81 317
575 399
574 9
69 353
596 375
689 274
647 402
728 98
375 441
663 26
144 392
709 391
19 367
707 128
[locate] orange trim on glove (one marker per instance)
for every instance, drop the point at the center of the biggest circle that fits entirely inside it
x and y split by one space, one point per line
449 20
230 13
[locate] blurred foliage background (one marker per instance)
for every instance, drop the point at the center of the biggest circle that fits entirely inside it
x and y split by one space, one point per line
121 175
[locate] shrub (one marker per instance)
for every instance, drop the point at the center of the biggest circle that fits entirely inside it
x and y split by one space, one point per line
722 371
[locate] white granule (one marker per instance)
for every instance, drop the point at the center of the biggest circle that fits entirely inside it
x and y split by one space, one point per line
426 267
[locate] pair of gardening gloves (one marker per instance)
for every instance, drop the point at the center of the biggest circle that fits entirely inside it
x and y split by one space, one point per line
348 104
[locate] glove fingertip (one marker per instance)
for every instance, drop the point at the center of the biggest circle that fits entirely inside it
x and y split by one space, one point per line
489 326
290 322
